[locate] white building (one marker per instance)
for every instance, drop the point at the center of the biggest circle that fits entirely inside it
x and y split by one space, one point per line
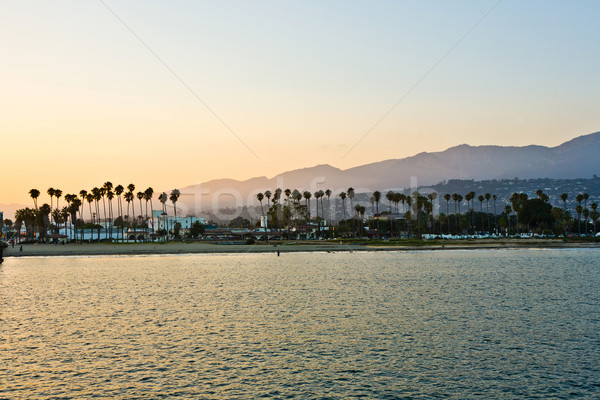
163 221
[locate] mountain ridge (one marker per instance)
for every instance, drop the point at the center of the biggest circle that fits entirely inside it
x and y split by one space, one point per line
575 158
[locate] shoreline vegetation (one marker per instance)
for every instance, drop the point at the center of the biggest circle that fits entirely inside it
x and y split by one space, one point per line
197 247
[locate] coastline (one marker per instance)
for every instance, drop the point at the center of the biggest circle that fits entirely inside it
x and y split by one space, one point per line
107 249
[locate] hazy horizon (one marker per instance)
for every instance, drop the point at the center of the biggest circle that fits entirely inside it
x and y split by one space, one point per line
168 95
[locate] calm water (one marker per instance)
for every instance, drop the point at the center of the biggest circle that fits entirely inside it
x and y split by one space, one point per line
448 324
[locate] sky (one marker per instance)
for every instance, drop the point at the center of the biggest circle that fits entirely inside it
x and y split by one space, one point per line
168 94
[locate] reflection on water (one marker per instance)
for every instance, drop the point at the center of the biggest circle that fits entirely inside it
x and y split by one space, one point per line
489 324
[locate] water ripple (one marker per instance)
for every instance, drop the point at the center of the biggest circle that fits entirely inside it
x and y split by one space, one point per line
452 325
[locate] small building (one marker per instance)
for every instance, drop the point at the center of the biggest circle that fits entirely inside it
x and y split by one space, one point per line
161 220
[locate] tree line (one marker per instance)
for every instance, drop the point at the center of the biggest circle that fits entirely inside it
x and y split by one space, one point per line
40 219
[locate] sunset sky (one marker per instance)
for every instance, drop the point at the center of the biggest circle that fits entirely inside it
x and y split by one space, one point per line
168 94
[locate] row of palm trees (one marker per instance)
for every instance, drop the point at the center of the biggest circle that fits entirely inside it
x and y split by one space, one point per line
416 206
290 210
96 198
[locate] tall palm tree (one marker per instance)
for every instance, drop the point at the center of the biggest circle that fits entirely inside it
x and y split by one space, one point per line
307 195
110 195
34 194
586 215
328 194
129 198
481 198
455 199
343 197
469 197
103 196
317 195
148 193
494 197
107 188
564 198
97 193
175 193
268 196
447 197
321 195
579 210
260 197
487 197
90 199
350 193
140 196
119 189
163 200
83 194
50 192
58 194
131 188
377 198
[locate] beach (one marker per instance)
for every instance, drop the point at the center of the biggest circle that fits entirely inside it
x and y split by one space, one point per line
198 247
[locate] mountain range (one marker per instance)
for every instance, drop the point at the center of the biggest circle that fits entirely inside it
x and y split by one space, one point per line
577 158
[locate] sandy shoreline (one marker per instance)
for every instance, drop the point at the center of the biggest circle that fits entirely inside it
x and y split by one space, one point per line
44 250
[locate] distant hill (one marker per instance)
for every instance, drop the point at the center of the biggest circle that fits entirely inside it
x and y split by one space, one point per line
577 158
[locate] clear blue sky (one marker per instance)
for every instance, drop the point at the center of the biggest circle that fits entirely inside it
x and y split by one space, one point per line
299 82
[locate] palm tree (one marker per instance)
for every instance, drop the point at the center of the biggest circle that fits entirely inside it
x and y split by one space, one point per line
34 194
110 195
447 197
103 196
175 193
468 197
377 199
50 192
260 197
129 197
58 194
307 195
564 198
357 208
148 193
579 210
350 193
317 195
321 195
131 188
64 213
343 197
268 196
163 200
455 199
494 197
487 197
119 189
481 198
83 194
328 194
90 199
140 197
97 194
586 215
108 186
